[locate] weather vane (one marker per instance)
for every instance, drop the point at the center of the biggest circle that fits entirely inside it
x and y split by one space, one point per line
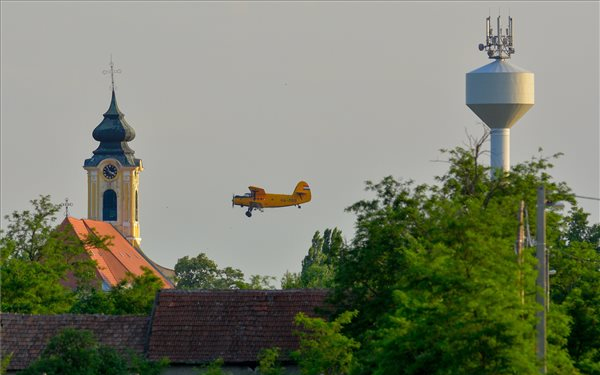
112 72
66 205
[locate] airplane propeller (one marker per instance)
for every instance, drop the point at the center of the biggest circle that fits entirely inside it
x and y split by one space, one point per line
232 200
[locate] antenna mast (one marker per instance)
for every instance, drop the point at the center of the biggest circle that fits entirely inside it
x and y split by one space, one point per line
499 46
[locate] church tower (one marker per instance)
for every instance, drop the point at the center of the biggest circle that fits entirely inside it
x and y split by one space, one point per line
113 175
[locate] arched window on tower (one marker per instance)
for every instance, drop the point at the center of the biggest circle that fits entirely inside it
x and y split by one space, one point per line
136 206
109 205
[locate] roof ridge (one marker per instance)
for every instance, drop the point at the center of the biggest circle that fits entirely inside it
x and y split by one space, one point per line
151 262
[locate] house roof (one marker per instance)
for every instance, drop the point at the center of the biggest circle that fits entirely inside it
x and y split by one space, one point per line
120 258
202 325
188 327
26 336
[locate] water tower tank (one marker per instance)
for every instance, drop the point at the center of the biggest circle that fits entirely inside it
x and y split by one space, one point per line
499 93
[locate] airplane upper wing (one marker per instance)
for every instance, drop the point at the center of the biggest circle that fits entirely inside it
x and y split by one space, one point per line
256 190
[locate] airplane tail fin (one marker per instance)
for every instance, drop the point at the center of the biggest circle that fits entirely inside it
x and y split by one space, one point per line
303 190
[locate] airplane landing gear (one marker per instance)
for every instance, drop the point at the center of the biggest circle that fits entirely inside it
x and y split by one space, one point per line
249 213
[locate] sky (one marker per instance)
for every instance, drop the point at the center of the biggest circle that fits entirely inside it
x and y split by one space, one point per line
224 95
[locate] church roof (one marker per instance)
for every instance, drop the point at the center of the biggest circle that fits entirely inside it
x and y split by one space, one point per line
120 258
113 133
198 326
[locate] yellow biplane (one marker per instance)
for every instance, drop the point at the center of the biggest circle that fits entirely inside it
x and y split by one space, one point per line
258 199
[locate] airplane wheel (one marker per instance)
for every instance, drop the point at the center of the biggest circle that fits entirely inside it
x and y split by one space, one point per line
299 207
248 213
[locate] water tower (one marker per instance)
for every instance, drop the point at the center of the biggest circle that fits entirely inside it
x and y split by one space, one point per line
500 93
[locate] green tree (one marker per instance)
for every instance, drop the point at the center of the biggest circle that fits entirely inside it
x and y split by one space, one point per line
90 300
576 288
133 295
76 352
4 363
201 272
434 277
318 266
291 280
323 348
268 362
214 368
229 278
36 257
260 282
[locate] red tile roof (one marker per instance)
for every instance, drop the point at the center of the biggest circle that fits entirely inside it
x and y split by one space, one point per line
203 325
120 258
26 336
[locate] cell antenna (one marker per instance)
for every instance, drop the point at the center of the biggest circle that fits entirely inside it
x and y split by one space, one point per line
498 46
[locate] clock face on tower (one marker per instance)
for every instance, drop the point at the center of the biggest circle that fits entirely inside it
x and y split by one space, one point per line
109 171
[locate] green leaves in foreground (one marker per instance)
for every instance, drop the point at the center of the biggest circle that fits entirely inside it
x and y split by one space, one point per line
76 352
433 274
323 348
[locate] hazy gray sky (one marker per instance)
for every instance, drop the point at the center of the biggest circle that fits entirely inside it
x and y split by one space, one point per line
223 95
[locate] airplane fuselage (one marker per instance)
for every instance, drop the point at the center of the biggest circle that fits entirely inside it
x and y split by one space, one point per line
268 200
259 199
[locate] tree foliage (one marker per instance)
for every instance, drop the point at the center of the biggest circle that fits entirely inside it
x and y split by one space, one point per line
268 362
133 295
324 349
201 272
433 274
213 368
36 258
318 266
76 352
291 280
260 282
576 288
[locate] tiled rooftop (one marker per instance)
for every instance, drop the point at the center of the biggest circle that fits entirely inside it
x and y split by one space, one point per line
202 325
120 258
188 327
26 336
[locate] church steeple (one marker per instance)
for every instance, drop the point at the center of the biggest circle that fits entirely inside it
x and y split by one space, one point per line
113 133
114 172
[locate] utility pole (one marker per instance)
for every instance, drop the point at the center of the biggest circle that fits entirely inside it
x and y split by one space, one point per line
542 277
519 250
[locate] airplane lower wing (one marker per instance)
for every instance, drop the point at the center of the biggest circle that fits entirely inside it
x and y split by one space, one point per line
257 206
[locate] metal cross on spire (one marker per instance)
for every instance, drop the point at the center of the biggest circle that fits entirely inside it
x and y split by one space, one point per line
112 72
66 205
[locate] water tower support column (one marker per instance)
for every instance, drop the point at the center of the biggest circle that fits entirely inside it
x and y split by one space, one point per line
500 148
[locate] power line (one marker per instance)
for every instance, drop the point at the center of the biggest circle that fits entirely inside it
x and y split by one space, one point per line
583 197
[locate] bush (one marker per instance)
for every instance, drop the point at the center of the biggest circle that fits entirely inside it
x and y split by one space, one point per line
76 352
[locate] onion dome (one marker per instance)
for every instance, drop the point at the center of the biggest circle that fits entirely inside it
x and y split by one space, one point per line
113 133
